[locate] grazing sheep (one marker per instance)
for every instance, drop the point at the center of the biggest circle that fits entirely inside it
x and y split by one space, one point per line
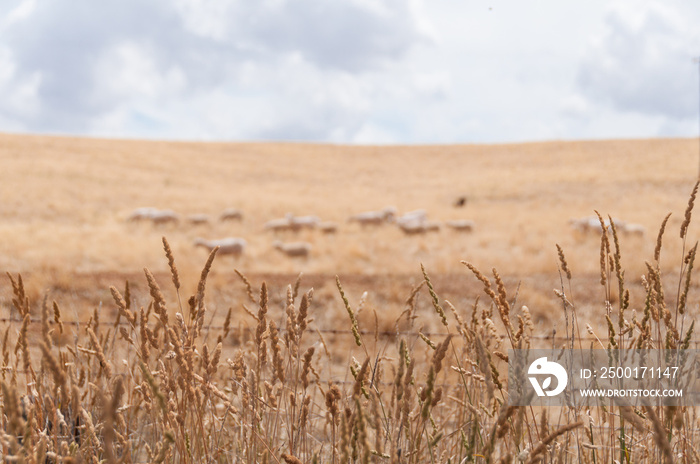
418 227
231 214
227 246
294 249
166 216
281 224
328 227
304 222
142 213
463 225
198 219
374 217
154 215
419 215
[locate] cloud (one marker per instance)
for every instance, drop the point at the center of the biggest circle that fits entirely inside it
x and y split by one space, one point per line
642 62
77 66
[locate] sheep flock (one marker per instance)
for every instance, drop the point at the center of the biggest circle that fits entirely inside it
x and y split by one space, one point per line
410 223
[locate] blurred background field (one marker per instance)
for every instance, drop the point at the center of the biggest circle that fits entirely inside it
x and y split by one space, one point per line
64 204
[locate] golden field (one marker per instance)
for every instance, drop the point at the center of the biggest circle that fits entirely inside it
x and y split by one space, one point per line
64 204
64 201
104 361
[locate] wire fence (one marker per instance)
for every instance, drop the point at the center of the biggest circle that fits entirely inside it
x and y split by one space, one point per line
364 332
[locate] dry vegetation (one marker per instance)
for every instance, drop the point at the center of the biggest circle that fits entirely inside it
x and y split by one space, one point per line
191 362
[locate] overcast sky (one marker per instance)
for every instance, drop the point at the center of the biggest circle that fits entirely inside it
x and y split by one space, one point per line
351 71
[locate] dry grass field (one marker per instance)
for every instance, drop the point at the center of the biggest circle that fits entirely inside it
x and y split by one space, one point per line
64 204
257 367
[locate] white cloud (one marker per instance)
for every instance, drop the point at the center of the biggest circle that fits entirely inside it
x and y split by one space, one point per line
349 71
103 64
642 62
21 11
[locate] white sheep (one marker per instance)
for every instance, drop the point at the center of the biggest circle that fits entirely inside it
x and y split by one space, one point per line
165 216
227 246
374 217
419 215
462 225
141 213
304 222
418 227
231 214
153 214
293 249
281 224
198 219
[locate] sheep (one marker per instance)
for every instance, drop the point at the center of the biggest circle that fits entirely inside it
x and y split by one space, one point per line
374 217
155 215
293 249
141 213
281 224
463 225
304 222
328 227
198 219
165 216
412 228
418 227
227 246
231 214
419 215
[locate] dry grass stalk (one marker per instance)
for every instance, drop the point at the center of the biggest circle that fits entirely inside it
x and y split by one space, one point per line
689 262
201 286
171 264
657 249
534 455
290 459
248 286
158 298
304 310
306 367
122 306
563 263
436 301
660 432
689 210
104 364
353 320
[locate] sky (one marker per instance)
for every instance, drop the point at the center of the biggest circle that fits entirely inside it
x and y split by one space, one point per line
351 71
